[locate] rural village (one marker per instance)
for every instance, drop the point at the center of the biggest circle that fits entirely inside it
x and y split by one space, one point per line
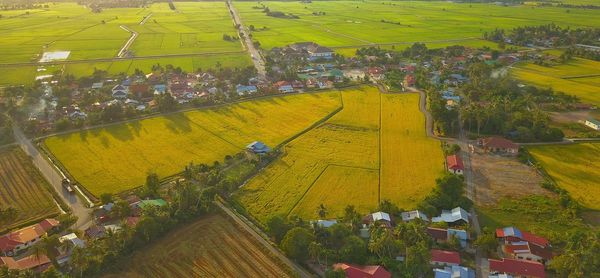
395 160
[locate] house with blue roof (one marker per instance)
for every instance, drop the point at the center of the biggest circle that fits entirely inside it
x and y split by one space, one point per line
258 147
455 271
160 89
243 90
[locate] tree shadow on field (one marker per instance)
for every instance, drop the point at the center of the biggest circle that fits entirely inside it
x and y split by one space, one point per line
135 127
178 123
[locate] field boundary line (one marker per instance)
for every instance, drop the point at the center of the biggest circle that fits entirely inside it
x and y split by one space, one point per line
256 232
379 149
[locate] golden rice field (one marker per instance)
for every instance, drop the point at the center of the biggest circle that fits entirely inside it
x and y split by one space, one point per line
222 250
118 157
570 78
339 163
23 188
574 168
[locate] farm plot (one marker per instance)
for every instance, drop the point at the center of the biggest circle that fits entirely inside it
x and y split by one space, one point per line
574 168
210 247
194 27
338 163
23 188
410 161
568 78
118 157
351 23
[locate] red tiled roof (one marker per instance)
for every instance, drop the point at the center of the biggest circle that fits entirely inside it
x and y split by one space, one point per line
132 221
499 142
437 233
8 244
529 237
443 256
455 162
49 223
29 262
518 267
359 271
539 251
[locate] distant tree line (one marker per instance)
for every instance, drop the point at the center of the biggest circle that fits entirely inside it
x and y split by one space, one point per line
549 33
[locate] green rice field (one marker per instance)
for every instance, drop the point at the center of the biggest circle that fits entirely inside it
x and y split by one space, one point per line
579 77
351 23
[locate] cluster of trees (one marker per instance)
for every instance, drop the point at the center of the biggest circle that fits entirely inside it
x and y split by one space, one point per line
551 33
579 52
448 194
341 242
6 133
18 5
229 38
500 106
580 258
278 14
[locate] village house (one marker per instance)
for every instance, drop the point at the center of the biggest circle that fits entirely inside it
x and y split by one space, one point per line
454 164
97 85
593 124
32 262
13 242
375 73
119 92
443 235
517 268
444 258
525 251
381 217
243 90
407 216
258 147
359 271
455 271
508 235
324 223
496 144
95 232
409 81
456 216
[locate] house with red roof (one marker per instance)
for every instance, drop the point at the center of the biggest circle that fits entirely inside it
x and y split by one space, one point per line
496 144
513 234
525 251
524 245
519 268
444 258
454 164
409 80
37 264
22 239
359 271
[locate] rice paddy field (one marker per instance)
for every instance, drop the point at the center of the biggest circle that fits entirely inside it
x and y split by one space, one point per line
579 77
375 148
118 157
23 188
224 250
350 23
574 168
194 28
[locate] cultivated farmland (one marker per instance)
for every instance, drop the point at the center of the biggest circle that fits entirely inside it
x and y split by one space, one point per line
118 157
574 168
349 24
572 78
194 30
338 163
23 188
210 247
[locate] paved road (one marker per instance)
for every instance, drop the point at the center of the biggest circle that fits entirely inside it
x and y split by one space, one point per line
257 59
253 231
125 47
78 207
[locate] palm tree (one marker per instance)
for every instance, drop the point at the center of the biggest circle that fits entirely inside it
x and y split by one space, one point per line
79 260
314 250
